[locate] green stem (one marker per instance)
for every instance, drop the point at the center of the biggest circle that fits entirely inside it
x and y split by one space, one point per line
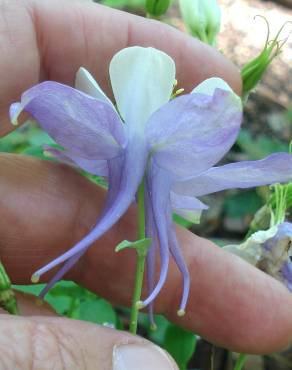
240 362
141 211
140 261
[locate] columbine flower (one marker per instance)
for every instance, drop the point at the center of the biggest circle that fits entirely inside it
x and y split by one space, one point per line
173 144
270 251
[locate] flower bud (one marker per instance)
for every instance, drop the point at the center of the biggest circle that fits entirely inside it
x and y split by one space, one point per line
7 297
156 8
202 19
253 71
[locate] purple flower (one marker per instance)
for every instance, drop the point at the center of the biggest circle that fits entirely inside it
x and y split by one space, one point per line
270 251
174 144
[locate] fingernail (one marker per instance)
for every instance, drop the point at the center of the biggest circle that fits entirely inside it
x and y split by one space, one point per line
142 357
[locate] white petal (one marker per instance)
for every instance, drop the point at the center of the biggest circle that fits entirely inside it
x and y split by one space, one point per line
263 235
210 85
188 207
252 249
85 82
14 112
193 216
142 81
251 255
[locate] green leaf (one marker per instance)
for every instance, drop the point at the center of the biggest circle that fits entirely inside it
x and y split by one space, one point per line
97 311
242 204
38 137
181 344
183 221
70 289
260 147
140 245
61 304
35 151
158 336
34 289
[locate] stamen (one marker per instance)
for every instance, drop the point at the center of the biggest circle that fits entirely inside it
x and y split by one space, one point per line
140 305
35 278
39 302
181 312
48 154
179 91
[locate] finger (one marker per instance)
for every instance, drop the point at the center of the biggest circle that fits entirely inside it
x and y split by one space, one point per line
60 36
29 305
70 344
46 207
55 343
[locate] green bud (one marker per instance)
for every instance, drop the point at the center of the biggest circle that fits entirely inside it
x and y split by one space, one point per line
156 8
7 297
202 19
253 71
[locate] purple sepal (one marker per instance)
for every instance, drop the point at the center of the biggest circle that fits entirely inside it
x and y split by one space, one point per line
86 126
247 174
191 133
98 167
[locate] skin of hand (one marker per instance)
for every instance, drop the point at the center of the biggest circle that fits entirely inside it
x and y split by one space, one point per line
46 207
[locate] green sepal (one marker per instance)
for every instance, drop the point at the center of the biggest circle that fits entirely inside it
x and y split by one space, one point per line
157 8
253 71
141 245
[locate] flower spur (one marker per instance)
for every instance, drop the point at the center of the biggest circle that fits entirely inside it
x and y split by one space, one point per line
173 144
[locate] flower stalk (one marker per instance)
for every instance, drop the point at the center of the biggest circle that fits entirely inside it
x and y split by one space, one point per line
141 258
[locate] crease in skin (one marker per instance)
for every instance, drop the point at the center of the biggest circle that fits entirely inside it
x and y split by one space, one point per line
59 342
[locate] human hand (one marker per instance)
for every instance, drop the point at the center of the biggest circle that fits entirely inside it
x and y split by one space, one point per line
46 207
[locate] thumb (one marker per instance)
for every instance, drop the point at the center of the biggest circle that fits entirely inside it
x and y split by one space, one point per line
50 342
